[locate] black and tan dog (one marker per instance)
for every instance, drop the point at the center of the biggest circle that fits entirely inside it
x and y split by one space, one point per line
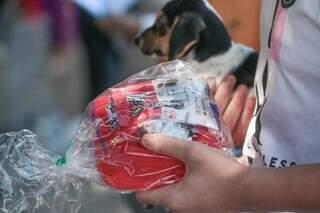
194 31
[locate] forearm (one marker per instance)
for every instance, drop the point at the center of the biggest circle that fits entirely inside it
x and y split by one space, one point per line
283 189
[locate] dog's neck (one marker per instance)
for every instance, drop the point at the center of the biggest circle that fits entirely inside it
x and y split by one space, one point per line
218 66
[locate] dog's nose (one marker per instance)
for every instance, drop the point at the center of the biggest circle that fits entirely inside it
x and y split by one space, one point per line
137 40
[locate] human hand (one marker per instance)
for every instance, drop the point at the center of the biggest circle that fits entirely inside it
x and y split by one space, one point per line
210 184
236 106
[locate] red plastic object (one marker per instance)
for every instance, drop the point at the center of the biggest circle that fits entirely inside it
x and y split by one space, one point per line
123 162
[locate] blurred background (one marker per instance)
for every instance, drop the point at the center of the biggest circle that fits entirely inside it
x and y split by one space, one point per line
57 55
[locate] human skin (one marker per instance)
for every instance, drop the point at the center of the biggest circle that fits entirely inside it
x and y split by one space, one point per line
216 182
236 105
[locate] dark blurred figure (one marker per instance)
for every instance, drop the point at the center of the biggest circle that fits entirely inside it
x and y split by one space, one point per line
100 20
1 4
103 59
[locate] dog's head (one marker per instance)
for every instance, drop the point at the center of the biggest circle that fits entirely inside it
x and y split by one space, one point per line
183 25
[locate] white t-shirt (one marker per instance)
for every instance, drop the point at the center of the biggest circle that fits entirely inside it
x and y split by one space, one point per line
286 128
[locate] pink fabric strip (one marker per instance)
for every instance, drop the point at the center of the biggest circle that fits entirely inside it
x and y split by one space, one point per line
278 32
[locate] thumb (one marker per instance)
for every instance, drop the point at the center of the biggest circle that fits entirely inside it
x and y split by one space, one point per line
172 147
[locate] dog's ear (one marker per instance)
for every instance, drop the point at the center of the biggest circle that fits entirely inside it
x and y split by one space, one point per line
185 34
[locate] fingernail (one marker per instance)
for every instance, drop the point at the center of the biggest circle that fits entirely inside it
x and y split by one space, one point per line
242 89
231 80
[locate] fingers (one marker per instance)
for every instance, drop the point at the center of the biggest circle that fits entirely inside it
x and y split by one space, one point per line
235 107
240 131
168 146
224 92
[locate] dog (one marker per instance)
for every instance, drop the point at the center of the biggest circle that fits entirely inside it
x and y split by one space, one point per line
192 30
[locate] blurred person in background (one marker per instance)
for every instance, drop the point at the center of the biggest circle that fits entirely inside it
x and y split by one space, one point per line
23 42
32 76
102 22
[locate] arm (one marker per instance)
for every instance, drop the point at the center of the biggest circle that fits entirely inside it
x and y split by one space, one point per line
287 189
216 182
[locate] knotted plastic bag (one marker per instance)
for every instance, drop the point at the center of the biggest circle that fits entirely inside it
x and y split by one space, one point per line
169 99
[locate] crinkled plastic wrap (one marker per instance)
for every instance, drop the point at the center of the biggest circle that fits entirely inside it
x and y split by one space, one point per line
169 99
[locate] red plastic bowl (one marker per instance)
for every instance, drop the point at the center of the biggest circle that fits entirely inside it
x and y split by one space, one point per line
123 162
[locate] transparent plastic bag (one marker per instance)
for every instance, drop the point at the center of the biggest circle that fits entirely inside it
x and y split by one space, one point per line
169 99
